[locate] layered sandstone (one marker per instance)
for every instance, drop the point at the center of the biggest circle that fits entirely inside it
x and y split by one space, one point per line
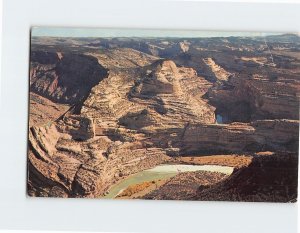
100 114
64 78
245 98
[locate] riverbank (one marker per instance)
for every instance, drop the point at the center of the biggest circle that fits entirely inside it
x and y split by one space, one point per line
184 186
151 179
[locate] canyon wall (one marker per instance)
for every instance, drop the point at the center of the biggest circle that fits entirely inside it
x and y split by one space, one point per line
64 77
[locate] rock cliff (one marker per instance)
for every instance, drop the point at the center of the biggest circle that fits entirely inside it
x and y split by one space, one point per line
103 109
64 77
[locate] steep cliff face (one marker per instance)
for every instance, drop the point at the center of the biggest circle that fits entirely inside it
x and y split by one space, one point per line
199 138
210 99
63 167
44 177
134 120
106 141
64 78
175 93
171 94
245 98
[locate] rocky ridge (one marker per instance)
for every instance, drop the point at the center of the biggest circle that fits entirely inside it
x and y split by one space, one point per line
137 110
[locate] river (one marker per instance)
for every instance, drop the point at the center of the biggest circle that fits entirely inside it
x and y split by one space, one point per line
162 172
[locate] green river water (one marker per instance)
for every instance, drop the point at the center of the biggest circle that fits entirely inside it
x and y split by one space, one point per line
162 172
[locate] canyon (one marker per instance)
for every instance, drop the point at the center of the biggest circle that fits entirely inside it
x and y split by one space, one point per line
104 109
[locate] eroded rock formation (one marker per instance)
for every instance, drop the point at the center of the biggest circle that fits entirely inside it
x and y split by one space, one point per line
98 117
64 77
245 98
